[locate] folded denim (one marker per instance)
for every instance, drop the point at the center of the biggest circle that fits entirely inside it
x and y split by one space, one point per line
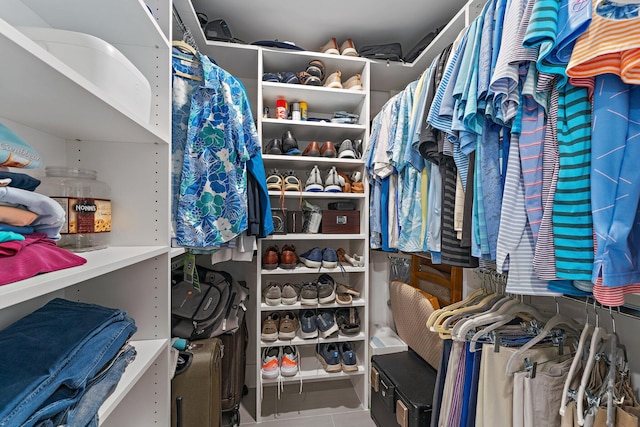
87 336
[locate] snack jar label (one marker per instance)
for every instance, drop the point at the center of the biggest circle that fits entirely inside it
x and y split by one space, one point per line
85 215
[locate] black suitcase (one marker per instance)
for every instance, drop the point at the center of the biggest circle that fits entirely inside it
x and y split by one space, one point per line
234 361
402 387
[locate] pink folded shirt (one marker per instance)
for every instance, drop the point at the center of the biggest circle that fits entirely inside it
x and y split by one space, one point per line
36 254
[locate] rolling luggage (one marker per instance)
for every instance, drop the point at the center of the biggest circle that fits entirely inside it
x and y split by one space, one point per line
402 387
233 368
195 388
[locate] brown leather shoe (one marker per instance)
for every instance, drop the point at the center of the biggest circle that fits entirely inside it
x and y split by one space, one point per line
271 258
328 150
331 47
313 150
288 257
346 188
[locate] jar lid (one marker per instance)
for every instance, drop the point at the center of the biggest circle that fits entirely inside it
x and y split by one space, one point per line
70 172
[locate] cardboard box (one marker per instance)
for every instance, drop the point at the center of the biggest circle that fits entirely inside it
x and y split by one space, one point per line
294 221
340 222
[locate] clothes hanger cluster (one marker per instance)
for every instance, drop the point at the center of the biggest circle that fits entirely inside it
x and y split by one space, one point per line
188 49
489 315
599 377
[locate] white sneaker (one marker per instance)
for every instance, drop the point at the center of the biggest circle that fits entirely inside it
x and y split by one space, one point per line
314 182
271 357
334 182
289 361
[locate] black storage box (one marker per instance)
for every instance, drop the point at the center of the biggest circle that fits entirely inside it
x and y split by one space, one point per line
402 388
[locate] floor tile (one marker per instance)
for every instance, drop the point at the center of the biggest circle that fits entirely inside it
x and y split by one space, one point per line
354 419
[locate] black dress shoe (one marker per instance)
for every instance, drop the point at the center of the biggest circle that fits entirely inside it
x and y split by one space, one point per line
290 144
274 146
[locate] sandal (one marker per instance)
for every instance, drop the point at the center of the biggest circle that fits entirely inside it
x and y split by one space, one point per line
333 80
348 320
291 182
347 290
308 79
316 68
274 181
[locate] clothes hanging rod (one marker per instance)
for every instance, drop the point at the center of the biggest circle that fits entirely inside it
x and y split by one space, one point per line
626 311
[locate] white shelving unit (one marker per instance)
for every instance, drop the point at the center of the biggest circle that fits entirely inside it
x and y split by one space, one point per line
322 102
72 122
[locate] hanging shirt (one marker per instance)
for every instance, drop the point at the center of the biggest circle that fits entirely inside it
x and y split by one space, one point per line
221 139
611 44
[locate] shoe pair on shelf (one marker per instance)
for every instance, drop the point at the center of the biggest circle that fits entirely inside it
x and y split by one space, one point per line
288 181
274 257
278 361
347 48
279 326
333 183
327 149
322 291
281 77
287 145
325 322
355 259
334 80
336 357
277 294
316 258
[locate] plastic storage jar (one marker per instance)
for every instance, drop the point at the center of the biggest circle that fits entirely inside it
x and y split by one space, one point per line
87 203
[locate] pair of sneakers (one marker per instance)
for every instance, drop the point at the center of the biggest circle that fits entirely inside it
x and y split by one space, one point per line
336 357
332 184
278 361
323 291
320 322
277 294
279 326
316 258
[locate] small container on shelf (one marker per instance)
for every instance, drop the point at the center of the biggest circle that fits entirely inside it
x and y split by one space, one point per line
87 203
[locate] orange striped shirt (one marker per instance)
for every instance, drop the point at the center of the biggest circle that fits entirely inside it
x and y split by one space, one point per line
608 46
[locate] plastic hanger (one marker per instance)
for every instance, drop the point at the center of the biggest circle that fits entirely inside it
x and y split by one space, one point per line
437 314
438 327
586 332
599 335
185 47
510 313
557 320
455 331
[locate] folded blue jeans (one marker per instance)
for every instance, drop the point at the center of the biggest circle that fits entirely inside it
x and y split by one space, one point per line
58 349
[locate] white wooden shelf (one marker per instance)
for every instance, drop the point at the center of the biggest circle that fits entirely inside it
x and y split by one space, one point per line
317 236
298 341
318 98
307 163
98 262
305 130
307 270
318 195
357 302
147 352
315 375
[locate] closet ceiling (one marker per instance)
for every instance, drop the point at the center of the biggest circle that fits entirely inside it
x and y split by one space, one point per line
311 25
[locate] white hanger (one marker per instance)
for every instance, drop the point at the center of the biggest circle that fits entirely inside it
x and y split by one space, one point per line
586 331
557 320
599 335
457 331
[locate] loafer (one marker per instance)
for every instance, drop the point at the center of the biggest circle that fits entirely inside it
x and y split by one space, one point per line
328 150
271 258
353 82
290 144
331 47
312 150
334 80
288 257
274 146
348 48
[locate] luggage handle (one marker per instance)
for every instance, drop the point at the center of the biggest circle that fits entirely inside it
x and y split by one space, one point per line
375 379
179 411
402 413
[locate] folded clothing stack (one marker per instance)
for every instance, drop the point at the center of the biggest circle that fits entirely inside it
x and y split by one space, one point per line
30 223
344 117
66 379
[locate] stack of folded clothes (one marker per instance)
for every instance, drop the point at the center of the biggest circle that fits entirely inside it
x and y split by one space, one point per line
30 223
344 117
61 362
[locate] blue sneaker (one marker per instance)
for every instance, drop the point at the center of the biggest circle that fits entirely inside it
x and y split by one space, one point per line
329 258
308 327
326 321
312 258
347 357
329 357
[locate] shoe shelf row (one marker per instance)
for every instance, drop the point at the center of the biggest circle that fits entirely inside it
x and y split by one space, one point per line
322 103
